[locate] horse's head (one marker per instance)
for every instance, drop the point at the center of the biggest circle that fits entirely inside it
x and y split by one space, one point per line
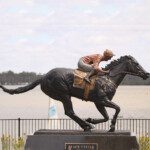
136 68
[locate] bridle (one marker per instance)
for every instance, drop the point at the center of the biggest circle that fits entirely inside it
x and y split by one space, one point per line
123 72
126 72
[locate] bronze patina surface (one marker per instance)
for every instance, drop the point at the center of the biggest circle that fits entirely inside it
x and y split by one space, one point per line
59 84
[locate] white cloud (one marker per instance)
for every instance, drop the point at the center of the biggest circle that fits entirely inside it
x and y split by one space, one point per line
75 28
51 42
88 12
12 3
22 12
51 13
34 21
35 48
22 40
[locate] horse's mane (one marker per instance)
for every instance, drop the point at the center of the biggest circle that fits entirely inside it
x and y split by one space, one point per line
116 62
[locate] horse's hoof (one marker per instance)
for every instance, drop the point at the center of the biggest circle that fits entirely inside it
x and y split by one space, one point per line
89 120
112 128
87 129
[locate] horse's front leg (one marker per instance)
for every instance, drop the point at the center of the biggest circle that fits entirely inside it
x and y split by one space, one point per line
107 103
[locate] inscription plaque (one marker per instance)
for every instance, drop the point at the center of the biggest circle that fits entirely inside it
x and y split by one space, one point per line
81 146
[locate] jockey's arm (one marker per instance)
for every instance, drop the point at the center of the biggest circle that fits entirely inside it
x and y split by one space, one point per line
99 69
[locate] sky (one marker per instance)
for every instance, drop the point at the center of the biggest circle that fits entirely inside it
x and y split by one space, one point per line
39 35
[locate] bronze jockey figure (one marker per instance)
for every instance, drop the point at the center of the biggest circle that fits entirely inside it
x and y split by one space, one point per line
90 63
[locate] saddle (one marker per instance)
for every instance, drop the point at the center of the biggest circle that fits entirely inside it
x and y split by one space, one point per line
79 82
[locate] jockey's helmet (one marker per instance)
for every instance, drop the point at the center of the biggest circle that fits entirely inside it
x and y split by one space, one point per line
108 53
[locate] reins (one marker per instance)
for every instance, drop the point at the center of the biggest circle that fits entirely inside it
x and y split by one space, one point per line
124 72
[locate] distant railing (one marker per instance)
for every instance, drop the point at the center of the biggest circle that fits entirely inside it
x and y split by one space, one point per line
18 127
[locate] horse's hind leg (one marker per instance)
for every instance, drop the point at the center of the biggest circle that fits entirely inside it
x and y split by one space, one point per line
103 111
66 100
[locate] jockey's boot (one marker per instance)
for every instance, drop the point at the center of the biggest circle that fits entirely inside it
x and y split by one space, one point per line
88 76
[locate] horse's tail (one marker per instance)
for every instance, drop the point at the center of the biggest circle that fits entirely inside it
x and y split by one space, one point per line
22 89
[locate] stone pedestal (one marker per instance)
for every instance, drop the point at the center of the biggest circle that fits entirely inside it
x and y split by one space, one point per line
80 140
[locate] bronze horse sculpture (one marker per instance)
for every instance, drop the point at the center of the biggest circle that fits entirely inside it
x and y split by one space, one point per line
58 84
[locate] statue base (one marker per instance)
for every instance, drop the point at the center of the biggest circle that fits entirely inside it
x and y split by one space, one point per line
80 140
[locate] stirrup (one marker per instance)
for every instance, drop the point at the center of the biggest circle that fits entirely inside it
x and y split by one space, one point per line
87 80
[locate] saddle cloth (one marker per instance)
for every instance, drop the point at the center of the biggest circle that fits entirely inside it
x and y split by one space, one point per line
79 82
